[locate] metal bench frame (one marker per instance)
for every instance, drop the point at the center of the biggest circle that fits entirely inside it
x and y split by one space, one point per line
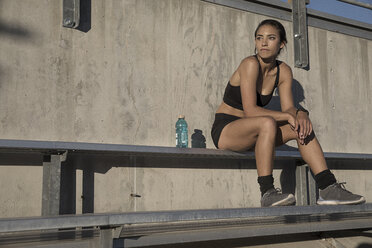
197 225
51 155
137 229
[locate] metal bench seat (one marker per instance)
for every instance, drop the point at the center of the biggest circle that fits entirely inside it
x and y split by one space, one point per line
51 154
156 228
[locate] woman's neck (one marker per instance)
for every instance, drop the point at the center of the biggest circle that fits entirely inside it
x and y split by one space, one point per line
267 64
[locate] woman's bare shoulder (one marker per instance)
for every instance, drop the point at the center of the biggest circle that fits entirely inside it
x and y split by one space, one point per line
286 69
250 59
249 62
285 73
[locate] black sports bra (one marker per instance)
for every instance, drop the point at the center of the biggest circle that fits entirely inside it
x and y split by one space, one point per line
233 96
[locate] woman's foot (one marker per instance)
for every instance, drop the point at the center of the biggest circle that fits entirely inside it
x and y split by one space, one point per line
336 194
274 197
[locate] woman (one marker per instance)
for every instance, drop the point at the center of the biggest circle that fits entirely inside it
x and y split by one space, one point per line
241 122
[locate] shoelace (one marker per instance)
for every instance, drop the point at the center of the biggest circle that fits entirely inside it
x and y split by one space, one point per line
342 186
277 191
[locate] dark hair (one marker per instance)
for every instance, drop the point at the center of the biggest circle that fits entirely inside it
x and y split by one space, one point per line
275 24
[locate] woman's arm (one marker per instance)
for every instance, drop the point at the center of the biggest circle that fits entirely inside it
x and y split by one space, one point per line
248 72
303 126
285 90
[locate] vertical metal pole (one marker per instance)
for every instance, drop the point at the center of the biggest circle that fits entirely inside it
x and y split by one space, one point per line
52 184
300 41
106 238
301 185
134 194
312 188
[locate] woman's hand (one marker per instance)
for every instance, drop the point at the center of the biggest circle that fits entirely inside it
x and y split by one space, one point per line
303 126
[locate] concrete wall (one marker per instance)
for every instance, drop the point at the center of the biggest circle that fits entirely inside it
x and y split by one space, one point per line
140 65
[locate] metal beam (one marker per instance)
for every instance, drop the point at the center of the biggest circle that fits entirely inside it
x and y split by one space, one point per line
87 149
250 231
166 227
318 19
277 9
357 3
117 219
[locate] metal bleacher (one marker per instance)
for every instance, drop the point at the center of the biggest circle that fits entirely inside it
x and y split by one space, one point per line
134 229
140 229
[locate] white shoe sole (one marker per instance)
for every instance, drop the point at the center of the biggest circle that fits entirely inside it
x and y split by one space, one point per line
290 200
337 202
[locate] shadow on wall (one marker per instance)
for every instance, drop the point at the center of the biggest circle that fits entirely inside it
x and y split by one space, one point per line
19 32
13 31
198 139
298 96
96 163
365 245
85 16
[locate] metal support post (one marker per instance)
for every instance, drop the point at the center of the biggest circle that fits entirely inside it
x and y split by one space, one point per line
133 174
301 50
106 237
301 185
52 183
71 13
312 187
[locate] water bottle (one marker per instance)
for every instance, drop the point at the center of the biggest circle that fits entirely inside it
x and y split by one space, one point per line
182 139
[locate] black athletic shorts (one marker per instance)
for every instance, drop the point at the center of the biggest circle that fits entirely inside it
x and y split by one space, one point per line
220 121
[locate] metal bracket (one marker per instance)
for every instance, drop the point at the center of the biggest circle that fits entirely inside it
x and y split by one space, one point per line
301 50
71 13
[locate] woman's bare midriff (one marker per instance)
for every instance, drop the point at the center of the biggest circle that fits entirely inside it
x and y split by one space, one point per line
226 109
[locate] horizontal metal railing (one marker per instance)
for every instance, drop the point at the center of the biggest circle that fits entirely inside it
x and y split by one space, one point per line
78 148
115 219
318 19
167 227
357 3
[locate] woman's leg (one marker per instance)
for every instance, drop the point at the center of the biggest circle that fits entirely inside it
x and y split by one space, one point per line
331 193
245 133
260 133
311 151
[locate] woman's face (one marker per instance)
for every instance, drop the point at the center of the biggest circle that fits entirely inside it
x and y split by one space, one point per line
268 42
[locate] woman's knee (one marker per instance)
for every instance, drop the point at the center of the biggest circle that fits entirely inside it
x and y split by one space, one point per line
268 125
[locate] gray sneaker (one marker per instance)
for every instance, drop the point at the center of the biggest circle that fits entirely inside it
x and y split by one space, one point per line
274 197
336 194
